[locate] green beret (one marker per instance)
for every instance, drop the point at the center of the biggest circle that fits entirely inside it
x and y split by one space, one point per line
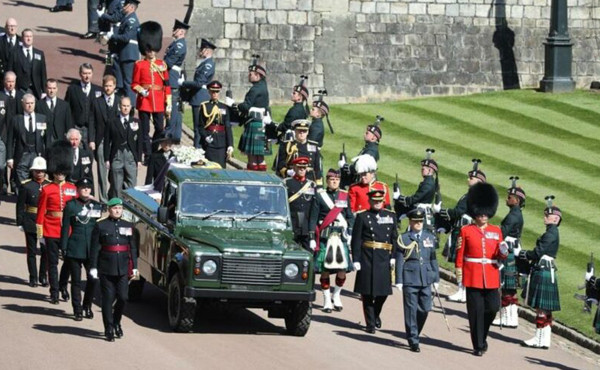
114 202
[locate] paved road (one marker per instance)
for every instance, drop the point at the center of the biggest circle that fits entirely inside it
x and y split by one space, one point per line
36 334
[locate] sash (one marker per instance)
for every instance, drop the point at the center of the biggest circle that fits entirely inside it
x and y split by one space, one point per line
334 213
300 192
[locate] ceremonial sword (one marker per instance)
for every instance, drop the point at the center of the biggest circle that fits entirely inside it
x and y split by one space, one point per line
441 306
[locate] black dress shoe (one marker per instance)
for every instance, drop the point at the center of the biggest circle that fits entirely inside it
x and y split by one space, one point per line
89 35
78 316
88 313
44 283
110 335
370 330
118 331
33 283
54 300
484 348
478 353
64 293
415 348
378 323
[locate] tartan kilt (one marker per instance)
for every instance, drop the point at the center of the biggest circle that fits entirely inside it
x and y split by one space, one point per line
597 320
254 140
320 258
509 274
452 248
541 292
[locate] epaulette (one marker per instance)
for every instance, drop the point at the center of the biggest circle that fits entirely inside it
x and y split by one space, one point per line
25 181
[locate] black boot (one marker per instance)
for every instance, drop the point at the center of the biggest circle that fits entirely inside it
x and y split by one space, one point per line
109 333
118 331
78 316
64 293
87 312
54 299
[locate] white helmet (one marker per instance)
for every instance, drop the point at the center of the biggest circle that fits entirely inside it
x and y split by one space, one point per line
39 163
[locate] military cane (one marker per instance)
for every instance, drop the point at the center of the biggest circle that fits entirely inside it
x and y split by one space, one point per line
441 306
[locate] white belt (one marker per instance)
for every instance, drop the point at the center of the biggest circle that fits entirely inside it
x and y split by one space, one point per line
549 259
176 68
423 205
133 41
485 261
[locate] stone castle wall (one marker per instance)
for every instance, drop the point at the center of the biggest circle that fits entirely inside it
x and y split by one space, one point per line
375 50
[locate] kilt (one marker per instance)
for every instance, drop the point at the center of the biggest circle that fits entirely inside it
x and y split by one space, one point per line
542 293
508 274
254 140
320 258
452 247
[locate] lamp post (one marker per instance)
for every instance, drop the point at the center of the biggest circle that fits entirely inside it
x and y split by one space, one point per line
558 54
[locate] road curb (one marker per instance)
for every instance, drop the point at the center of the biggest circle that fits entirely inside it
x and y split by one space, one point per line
528 314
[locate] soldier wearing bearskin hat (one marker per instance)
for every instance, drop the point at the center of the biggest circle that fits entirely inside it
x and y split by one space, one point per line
53 200
512 227
330 226
151 83
481 247
541 292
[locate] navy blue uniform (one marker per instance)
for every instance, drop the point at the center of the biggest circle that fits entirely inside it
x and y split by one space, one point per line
128 53
174 58
203 75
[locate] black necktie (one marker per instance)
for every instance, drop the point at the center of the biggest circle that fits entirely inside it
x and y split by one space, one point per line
52 105
109 102
417 237
125 123
28 55
30 124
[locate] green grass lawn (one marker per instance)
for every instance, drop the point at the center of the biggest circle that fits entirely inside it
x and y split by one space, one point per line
551 141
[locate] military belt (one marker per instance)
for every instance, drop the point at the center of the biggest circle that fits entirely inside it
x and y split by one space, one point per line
176 68
485 261
30 209
219 128
115 248
55 213
153 87
132 41
377 245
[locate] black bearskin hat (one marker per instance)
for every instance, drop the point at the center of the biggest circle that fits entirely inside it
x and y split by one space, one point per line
60 158
482 199
150 37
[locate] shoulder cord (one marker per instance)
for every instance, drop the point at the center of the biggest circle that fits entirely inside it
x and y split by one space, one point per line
210 117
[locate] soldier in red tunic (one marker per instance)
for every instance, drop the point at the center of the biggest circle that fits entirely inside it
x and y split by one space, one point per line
365 167
151 82
480 246
53 199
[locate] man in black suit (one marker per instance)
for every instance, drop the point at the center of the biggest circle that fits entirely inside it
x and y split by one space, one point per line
26 139
104 108
57 112
122 149
9 41
12 101
160 157
82 158
80 96
29 64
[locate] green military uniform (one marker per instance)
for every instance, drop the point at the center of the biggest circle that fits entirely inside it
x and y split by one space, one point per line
316 133
297 111
457 217
79 219
512 226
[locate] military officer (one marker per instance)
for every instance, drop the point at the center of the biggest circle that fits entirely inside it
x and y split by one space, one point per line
330 226
109 21
454 219
319 110
366 167
27 205
82 158
202 76
300 147
416 270
114 254
299 110
53 200
372 137
215 133
374 245
174 58
512 226
151 83
79 219
301 191
481 246
541 292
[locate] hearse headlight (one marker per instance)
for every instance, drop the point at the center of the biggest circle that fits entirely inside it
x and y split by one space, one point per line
209 267
291 270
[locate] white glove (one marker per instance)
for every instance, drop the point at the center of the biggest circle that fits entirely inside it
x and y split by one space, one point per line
100 12
436 207
229 101
94 273
504 248
588 275
144 93
349 239
290 172
392 262
511 241
356 266
21 228
435 286
517 250
43 241
180 80
396 194
441 230
108 35
399 286
267 119
313 245
229 151
341 163
136 273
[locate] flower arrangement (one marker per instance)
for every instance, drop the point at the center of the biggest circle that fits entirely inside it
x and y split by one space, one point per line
188 154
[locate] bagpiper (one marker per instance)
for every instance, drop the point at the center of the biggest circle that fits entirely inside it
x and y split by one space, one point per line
320 109
301 191
366 168
456 218
481 247
541 292
512 227
330 226
374 245
299 110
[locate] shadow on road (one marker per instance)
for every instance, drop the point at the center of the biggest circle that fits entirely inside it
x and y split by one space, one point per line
13 248
452 312
7 221
23 295
554 365
336 321
80 53
54 30
26 3
72 330
35 310
12 280
443 344
373 338
504 338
